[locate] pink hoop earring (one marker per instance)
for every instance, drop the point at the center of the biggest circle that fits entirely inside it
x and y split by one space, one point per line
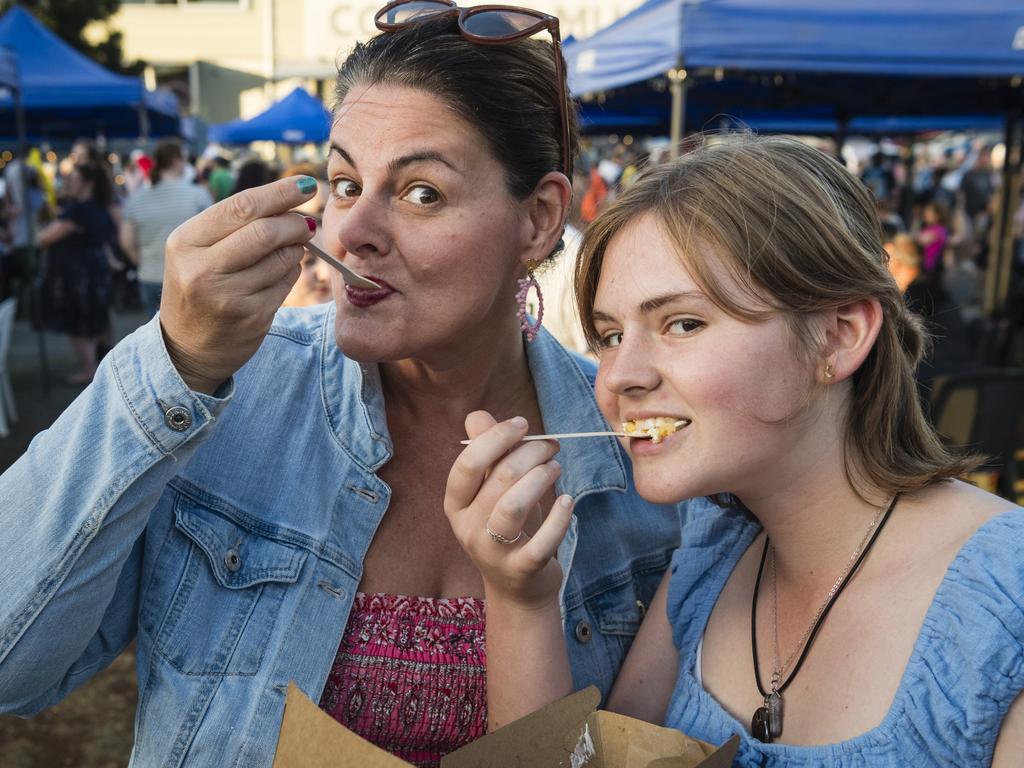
525 283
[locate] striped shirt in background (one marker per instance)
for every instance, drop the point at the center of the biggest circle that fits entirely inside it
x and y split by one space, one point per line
156 212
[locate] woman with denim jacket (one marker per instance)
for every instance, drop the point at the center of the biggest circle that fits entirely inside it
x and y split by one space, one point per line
847 601
256 496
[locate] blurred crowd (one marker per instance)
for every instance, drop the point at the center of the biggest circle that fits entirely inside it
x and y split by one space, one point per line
936 202
83 235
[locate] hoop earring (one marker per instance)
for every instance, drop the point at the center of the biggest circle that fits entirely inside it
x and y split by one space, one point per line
525 283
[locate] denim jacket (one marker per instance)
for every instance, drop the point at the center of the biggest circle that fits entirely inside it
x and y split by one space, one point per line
227 534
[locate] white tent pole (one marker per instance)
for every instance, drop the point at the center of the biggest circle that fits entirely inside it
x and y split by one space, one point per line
677 84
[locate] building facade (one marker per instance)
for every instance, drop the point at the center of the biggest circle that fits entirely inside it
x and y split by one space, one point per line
230 58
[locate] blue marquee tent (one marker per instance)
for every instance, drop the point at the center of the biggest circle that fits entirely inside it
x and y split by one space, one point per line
66 94
833 61
9 69
851 58
882 37
298 118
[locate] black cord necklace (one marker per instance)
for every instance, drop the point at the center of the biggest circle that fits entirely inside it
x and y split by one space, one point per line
766 724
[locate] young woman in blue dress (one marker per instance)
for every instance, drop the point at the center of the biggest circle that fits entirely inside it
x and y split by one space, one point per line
842 599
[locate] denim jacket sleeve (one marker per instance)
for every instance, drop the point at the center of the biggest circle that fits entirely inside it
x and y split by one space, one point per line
74 511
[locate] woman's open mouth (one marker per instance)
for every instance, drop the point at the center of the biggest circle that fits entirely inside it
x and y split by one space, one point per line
655 429
362 297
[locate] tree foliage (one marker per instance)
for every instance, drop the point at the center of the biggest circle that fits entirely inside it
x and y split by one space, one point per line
67 18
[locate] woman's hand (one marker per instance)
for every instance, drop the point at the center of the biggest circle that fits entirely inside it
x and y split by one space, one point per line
494 486
227 271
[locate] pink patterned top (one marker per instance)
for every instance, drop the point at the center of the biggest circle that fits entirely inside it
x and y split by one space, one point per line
410 675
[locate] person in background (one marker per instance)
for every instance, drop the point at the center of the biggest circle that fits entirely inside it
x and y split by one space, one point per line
977 187
888 217
255 496
254 172
878 177
220 181
594 197
932 239
24 189
152 213
86 152
843 599
140 165
313 286
75 280
561 317
904 260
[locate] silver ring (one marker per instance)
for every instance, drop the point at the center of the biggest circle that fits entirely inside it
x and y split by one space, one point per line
501 539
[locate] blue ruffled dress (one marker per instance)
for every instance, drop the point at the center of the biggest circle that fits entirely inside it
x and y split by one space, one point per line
965 671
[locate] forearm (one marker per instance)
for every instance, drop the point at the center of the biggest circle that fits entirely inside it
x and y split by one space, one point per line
527 661
73 509
129 244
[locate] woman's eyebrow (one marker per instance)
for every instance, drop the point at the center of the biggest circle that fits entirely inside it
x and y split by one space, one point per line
342 154
426 156
657 302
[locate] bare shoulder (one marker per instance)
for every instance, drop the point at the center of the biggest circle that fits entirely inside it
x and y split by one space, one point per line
947 514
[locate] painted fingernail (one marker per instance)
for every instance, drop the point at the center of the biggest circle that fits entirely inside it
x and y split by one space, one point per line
310 223
306 184
518 422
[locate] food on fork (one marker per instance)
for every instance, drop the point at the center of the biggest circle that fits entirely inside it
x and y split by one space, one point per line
657 429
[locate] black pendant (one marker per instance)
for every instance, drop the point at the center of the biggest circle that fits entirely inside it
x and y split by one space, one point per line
774 706
759 726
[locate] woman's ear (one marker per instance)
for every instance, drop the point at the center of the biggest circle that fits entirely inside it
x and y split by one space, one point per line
547 209
851 332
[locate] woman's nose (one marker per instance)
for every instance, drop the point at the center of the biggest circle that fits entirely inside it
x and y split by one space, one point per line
631 369
363 228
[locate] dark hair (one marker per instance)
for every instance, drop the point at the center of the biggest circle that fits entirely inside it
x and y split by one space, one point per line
253 173
507 92
92 153
941 212
167 153
102 189
797 230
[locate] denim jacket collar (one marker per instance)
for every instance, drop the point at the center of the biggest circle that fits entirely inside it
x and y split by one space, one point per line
354 402
593 464
355 411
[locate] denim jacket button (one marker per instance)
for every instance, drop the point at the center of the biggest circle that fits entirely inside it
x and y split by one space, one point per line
177 418
642 608
584 631
232 560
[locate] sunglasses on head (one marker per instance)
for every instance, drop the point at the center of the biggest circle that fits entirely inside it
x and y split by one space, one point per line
487 25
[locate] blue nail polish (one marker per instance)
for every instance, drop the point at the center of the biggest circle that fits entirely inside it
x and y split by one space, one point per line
306 184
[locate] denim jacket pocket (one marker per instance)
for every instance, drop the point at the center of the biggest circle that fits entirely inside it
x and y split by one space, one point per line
222 584
619 603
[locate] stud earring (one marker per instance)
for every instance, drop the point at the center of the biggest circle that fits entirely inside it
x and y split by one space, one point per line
525 284
829 373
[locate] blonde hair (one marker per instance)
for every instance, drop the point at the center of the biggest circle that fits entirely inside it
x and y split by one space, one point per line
799 234
904 250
